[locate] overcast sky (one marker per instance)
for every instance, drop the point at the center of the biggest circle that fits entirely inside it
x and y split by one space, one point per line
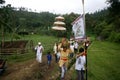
60 6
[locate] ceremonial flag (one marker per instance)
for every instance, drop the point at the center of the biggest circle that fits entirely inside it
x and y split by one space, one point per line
78 28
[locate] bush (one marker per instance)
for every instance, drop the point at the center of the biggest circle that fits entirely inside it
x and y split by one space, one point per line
105 34
115 37
99 27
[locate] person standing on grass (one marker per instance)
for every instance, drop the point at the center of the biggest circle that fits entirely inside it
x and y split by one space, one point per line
80 64
49 59
39 48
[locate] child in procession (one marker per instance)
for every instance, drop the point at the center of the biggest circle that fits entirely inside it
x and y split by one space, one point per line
49 59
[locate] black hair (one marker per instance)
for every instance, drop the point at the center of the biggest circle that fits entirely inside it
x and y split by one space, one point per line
81 50
49 52
72 43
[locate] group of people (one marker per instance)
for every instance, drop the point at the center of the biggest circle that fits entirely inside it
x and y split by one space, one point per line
63 52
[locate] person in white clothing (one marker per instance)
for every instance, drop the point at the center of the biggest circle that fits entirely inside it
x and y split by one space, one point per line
80 64
39 48
72 49
55 49
58 56
76 47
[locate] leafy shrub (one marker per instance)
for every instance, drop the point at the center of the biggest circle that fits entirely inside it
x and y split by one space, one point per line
99 27
115 37
105 34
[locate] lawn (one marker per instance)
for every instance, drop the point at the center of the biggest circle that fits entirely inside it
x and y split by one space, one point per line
47 42
103 61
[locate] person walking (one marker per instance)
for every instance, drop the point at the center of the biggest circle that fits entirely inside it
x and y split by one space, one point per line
80 64
49 59
76 47
39 50
55 49
58 56
72 49
63 62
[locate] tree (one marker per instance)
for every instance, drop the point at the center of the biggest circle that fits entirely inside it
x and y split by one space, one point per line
114 18
2 1
114 13
69 18
114 7
1 22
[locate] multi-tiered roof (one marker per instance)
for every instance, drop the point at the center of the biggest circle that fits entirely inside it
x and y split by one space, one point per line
59 24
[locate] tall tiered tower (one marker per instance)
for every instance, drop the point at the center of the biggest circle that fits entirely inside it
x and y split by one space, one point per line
59 24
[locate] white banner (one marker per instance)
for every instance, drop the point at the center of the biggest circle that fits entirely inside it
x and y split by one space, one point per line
78 28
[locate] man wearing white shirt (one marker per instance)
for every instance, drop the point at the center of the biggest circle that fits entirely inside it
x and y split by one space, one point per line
40 50
80 64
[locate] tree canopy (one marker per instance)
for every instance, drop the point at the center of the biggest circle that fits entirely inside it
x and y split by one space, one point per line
104 23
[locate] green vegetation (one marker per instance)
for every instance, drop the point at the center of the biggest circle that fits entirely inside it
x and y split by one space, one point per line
103 61
47 42
103 24
103 57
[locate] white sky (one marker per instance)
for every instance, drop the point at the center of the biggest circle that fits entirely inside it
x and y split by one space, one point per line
60 6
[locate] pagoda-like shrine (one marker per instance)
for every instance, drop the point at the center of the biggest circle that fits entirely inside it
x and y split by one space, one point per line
59 24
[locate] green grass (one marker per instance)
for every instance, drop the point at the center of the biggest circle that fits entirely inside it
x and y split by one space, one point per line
103 61
18 57
47 42
103 57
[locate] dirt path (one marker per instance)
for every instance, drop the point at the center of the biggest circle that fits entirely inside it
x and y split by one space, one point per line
32 70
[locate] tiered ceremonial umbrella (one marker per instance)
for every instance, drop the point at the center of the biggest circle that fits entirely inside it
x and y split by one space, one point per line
59 24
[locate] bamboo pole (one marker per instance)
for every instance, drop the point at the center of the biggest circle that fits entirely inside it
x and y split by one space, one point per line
85 34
